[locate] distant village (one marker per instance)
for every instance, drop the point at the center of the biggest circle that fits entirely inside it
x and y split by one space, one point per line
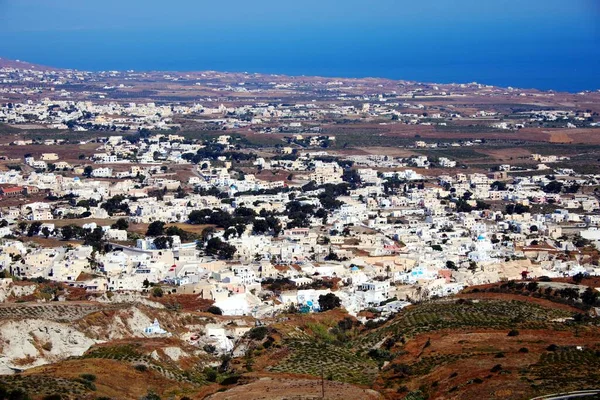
96 101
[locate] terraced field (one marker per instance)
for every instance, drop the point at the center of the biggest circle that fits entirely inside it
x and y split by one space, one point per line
46 385
567 368
483 314
337 363
132 354
59 312
427 364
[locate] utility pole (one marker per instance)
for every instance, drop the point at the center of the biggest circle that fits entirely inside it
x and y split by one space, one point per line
322 382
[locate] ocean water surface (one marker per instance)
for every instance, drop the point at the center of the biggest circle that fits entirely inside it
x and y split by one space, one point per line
550 44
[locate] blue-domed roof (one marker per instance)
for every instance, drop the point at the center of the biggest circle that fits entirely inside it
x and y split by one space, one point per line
480 237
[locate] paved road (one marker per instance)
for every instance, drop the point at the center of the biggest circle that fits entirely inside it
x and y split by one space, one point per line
582 394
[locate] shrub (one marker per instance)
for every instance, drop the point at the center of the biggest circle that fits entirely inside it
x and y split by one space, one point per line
269 342
552 347
215 310
211 375
321 332
141 367
402 389
499 355
496 368
403 369
52 397
18 394
372 324
230 380
380 355
389 343
416 395
346 324
151 395
258 333
209 348
88 377
523 350
87 383
47 346
513 332
157 292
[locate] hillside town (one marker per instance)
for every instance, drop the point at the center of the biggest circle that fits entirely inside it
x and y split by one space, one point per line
275 200
192 233
379 232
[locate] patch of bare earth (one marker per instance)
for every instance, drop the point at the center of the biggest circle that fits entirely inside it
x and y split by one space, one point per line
275 388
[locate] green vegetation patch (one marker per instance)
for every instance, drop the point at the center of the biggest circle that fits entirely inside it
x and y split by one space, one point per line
40 385
565 369
337 363
493 314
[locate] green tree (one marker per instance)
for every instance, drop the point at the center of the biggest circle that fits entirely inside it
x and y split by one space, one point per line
553 187
329 302
260 226
577 278
87 171
95 238
199 217
498 185
156 228
67 232
22 226
163 242
207 233
121 224
240 229
34 228
216 247
590 296
215 310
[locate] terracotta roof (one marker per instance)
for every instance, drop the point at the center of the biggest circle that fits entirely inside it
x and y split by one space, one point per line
12 189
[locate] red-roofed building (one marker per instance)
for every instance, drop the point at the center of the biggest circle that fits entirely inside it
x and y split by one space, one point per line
11 191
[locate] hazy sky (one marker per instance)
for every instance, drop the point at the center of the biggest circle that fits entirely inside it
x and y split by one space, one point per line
544 43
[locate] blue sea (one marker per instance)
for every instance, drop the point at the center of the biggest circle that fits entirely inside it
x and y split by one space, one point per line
532 49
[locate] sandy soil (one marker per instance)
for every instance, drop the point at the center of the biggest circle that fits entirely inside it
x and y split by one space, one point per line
271 388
